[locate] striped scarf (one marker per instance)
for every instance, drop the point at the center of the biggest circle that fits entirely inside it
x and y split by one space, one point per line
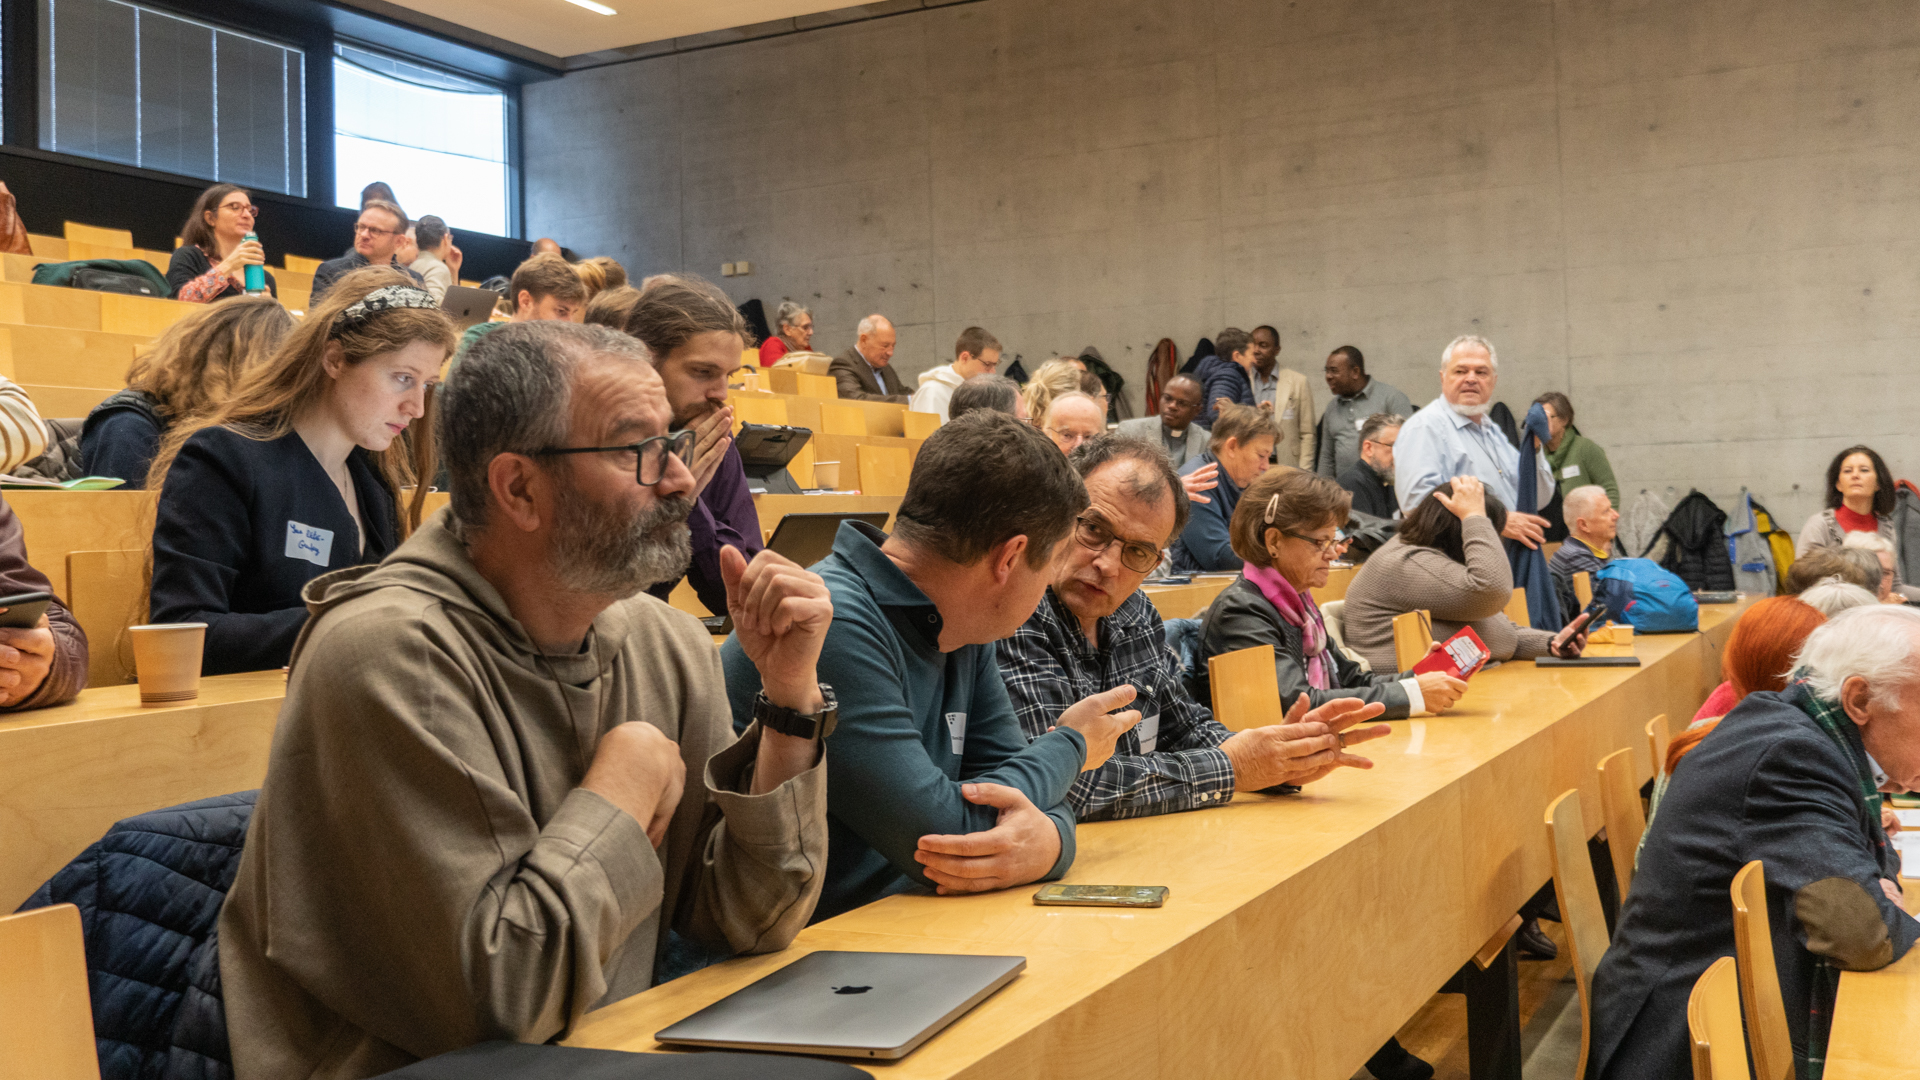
1826 977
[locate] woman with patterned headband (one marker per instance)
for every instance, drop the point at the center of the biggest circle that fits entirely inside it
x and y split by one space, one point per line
298 472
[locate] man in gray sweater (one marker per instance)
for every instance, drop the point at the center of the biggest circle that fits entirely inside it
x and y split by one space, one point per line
503 772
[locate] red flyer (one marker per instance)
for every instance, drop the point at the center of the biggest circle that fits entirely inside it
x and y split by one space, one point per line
1462 655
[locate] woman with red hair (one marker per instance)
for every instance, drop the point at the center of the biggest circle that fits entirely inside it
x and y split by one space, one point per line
1758 656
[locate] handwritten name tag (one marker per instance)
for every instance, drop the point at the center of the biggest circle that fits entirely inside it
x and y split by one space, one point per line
1289 414
309 544
1149 731
957 731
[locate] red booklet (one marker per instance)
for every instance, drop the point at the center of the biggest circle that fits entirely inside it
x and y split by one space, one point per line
1462 655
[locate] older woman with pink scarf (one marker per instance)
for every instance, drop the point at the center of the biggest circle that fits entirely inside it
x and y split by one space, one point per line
1286 529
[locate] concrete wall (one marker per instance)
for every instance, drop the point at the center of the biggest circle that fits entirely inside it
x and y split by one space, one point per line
1697 217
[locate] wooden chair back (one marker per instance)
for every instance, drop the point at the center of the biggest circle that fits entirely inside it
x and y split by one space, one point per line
1767 1038
1621 811
107 592
1517 608
919 425
1659 735
748 409
46 1017
1246 692
883 469
300 264
1583 587
1412 638
93 234
1580 911
1713 1024
838 419
1338 579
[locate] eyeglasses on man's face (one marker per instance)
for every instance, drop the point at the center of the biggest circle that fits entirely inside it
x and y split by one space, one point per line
650 455
369 230
1092 531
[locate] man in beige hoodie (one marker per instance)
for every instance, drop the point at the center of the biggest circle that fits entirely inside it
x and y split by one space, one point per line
474 824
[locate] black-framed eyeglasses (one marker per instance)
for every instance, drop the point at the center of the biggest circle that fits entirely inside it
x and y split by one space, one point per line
650 455
1135 555
1335 544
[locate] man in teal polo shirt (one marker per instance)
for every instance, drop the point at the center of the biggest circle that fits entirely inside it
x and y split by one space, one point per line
930 780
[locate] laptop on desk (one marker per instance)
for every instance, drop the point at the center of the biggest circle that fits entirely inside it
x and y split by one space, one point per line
468 306
848 1004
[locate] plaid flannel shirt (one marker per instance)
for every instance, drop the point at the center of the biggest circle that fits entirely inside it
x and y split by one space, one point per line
1048 665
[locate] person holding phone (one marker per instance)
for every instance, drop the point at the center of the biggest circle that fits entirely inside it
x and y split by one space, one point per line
43 652
1446 560
297 473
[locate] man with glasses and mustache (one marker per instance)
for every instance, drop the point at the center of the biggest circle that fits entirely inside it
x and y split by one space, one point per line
377 239
1095 630
503 774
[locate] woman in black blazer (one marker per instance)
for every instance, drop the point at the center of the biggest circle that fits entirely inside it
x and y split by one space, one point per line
298 472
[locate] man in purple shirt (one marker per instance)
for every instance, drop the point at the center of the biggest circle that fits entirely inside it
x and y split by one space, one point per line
696 336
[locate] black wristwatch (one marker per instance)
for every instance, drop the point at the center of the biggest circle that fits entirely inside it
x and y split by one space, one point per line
798 724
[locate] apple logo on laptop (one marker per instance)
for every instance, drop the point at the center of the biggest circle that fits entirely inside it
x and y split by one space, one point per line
851 989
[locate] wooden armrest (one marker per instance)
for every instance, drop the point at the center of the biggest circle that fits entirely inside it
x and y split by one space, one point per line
1491 950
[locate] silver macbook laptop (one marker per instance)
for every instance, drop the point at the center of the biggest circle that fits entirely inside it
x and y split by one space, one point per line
848 1004
469 306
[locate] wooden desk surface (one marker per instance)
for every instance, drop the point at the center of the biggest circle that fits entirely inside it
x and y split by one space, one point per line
69 772
1189 600
1392 877
1876 1020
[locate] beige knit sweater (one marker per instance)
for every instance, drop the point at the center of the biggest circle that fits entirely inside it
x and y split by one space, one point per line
1402 577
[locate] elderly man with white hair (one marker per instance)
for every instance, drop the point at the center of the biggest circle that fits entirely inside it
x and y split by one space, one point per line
865 372
1592 524
1453 437
1073 418
1792 779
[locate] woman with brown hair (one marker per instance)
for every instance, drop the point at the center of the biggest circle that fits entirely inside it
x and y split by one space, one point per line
214 252
1859 499
191 369
1446 560
297 473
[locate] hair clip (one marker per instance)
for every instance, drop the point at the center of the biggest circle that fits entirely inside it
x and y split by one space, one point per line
1273 505
383 299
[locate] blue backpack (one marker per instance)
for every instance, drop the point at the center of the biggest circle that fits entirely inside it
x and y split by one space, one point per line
1647 595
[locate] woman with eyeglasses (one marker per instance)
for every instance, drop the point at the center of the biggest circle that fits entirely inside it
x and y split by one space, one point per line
212 260
1286 530
1446 560
297 473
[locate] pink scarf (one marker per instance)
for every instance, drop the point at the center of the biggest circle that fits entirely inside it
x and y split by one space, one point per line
1300 612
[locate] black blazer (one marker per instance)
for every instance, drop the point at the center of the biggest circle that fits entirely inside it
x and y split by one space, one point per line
223 549
854 378
1765 784
1242 617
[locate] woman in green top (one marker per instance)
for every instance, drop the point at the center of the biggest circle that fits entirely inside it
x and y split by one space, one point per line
1577 460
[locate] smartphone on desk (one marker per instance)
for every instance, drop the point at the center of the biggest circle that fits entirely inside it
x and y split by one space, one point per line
24 609
1127 896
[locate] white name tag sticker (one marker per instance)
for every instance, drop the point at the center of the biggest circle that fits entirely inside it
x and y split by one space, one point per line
1149 731
1569 472
1289 414
957 731
1360 423
309 544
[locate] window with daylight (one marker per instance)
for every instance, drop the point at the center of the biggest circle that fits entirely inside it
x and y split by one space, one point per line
438 139
125 83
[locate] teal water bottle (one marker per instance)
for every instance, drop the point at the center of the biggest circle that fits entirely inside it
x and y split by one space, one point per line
256 275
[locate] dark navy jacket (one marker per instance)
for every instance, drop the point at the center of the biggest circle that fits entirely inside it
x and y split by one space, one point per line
1204 547
1221 378
1765 784
242 526
121 436
149 894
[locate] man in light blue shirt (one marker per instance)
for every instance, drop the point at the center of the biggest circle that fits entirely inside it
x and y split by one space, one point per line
1453 437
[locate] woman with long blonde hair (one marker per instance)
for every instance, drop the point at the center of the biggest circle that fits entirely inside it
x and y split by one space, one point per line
191 369
298 472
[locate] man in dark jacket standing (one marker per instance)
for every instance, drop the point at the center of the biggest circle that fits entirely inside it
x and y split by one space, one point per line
44 664
1793 780
865 372
1370 478
1226 376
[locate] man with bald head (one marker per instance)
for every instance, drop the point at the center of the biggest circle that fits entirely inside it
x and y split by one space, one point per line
865 372
1072 419
547 246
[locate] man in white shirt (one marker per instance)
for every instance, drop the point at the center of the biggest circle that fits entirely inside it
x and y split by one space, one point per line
1453 437
976 352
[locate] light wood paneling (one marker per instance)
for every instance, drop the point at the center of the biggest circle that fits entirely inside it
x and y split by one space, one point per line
883 469
107 592
46 354
57 523
46 1015
77 233
65 402
68 772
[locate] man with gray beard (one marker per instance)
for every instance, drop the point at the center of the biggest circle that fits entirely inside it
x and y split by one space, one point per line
503 773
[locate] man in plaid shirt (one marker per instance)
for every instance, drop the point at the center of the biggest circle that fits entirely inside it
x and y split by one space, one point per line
1095 630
